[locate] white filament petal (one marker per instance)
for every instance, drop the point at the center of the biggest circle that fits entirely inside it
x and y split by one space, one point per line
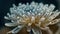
54 15
16 30
36 31
11 24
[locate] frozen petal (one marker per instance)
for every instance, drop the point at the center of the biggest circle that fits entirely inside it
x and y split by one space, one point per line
54 21
51 7
6 17
36 31
16 30
11 24
47 30
54 15
28 28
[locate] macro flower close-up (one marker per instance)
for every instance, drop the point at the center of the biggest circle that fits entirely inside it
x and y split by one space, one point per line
34 17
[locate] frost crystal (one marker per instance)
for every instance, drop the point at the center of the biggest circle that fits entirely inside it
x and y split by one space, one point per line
34 16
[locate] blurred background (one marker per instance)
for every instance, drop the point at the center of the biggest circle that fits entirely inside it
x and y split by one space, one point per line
6 4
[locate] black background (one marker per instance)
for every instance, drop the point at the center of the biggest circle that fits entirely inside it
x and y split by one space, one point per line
6 4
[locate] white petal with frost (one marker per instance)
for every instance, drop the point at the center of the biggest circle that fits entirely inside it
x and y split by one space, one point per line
11 24
36 31
15 30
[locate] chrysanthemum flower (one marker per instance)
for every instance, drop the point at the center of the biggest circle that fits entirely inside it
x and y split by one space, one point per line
34 16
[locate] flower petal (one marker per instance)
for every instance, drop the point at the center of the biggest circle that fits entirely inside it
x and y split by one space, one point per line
54 21
16 30
11 24
47 30
54 15
36 31
28 28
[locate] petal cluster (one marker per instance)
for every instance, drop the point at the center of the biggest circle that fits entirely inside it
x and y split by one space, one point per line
32 16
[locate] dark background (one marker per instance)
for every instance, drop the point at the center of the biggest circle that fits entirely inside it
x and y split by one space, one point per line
6 4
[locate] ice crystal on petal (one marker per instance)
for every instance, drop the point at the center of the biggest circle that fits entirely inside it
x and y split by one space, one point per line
34 15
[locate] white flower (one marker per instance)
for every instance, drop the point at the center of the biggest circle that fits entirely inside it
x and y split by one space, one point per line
34 16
